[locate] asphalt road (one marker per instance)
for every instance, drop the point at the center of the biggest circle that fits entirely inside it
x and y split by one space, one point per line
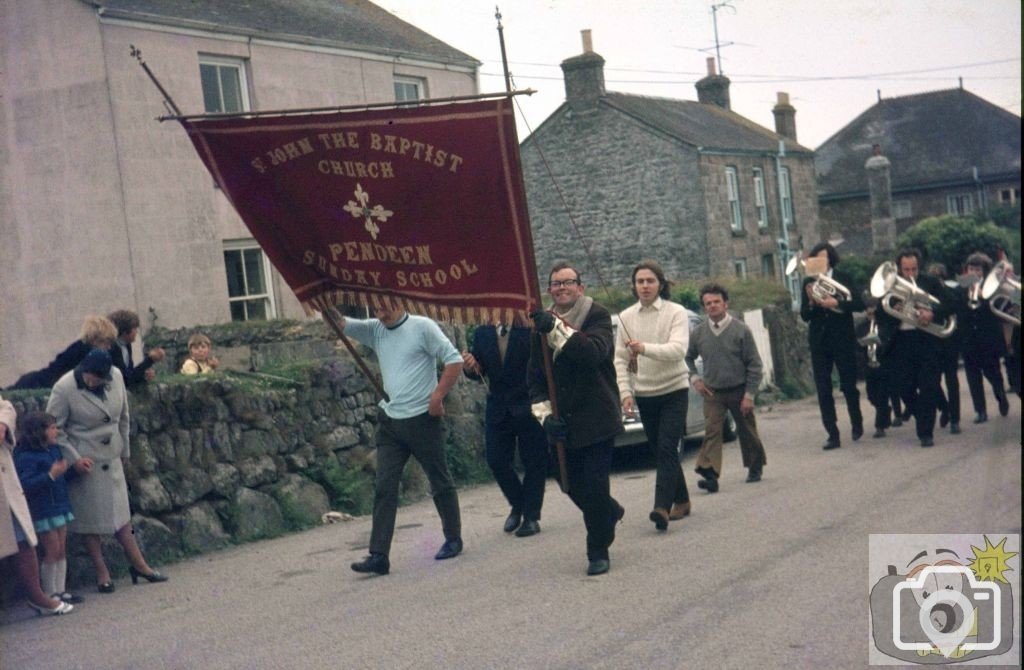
766 575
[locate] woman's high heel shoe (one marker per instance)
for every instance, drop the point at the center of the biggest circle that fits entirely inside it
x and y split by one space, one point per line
62 608
151 578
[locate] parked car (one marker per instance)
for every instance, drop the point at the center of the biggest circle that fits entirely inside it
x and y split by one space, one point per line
634 433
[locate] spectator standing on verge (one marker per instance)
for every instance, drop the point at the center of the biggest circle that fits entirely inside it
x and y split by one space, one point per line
409 349
127 324
732 373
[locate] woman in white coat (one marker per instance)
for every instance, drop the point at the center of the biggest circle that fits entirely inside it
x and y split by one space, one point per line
91 407
17 534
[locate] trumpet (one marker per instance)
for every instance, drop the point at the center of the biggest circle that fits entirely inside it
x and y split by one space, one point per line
823 286
1002 290
904 300
871 341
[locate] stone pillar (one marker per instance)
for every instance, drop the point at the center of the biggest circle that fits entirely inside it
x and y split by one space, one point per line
883 225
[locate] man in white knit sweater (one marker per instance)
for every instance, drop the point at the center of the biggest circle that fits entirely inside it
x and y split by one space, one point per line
732 373
652 339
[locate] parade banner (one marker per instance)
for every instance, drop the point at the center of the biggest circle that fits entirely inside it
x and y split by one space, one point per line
424 205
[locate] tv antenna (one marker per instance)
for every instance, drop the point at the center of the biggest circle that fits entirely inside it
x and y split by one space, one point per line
725 4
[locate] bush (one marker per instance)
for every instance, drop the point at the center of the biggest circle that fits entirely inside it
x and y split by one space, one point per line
951 239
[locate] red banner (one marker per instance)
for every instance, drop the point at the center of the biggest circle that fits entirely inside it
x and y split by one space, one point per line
425 205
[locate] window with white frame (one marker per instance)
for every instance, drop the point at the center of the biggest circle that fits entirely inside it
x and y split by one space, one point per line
224 84
760 200
959 203
732 187
901 209
785 195
768 265
409 88
740 266
248 273
1008 196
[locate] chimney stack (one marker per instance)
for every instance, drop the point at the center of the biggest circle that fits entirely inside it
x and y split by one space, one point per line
714 88
584 76
785 116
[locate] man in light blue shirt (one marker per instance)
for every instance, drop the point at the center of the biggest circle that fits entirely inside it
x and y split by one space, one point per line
408 349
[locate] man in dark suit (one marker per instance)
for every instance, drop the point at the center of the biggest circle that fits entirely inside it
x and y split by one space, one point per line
500 356
579 333
914 352
127 324
982 339
833 344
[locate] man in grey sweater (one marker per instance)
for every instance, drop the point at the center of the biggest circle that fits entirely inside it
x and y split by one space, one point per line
732 373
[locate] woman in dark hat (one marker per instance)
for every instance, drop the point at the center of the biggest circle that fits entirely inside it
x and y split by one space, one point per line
91 407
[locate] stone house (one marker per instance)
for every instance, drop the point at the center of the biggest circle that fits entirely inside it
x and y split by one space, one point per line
942 152
102 207
693 185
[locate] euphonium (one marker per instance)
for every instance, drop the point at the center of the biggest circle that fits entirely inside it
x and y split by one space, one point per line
1002 290
823 286
903 300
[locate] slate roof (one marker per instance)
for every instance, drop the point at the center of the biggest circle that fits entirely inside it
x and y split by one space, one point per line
351 24
700 124
930 139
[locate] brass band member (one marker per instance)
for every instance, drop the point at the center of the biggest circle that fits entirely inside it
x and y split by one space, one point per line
878 377
833 344
949 356
982 334
914 352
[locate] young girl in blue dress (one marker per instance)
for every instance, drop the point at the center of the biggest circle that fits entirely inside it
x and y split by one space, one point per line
44 473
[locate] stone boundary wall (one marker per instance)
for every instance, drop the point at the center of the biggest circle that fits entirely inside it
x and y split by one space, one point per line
230 458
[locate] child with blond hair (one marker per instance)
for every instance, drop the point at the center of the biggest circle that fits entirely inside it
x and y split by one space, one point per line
199 361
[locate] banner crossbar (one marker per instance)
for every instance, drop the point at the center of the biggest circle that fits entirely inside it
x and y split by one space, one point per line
343 108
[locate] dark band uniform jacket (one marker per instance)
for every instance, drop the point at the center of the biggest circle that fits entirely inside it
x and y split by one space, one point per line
98 428
889 325
828 328
585 385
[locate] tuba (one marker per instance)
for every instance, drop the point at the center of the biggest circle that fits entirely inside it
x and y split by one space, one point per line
903 300
1002 290
823 287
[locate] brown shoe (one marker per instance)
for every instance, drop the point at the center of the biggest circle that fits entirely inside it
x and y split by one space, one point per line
679 510
660 518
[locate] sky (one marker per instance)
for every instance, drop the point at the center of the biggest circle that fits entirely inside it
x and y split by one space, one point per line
831 56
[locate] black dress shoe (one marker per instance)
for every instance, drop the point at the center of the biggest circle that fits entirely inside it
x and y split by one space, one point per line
152 577
879 432
897 422
710 485
598 566
858 432
754 475
450 549
927 442
943 419
1004 406
105 587
830 444
375 563
660 518
981 417
954 428
68 597
513 521
529 527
